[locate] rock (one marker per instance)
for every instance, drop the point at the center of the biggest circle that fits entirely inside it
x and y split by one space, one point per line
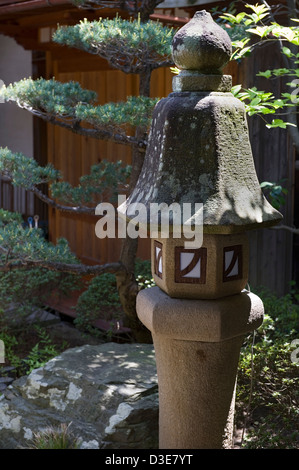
7 376
108 393
7 369
6 380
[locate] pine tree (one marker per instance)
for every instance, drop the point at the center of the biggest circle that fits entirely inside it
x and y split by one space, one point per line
134 46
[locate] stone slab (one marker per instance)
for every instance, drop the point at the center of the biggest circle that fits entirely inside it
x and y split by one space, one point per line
107 393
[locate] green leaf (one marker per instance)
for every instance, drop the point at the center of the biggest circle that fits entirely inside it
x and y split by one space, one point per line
255 101
236 89
266 184
287 52
279 123
279 72
266 74
260 10
261 31
279 103
240 17
243 52
265 110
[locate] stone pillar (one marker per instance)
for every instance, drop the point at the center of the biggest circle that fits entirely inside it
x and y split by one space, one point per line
199 154
197 345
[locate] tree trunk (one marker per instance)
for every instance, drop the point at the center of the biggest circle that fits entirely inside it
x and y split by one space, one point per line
126 281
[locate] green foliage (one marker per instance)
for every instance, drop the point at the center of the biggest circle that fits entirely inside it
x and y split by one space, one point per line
48 96
23 290
236 25
10 342
269 391
258 17
42 352
32 287
274 403
101 299
131 45
136 111
276 193
284 312
259 102
251 29
24 171
29 245
104 181
259 12
262 103
72 105
39 355
101 292
7 216
143 273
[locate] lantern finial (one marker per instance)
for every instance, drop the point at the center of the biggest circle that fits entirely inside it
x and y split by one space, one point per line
201 45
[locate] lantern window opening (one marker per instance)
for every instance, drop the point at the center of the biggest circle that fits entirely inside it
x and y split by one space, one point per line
190 265
232 263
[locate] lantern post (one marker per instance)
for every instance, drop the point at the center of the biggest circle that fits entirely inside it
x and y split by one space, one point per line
199 158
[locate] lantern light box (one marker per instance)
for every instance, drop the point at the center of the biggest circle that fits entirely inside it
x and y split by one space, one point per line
216 269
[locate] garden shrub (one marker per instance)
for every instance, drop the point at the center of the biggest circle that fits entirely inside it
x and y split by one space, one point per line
40 353
267 401
101 299
21 290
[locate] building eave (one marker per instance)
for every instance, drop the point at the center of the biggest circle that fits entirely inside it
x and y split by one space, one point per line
27 5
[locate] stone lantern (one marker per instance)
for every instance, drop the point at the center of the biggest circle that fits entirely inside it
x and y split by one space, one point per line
199 155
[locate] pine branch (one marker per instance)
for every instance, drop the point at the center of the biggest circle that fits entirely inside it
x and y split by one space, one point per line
67 105
104 178
80 210
101 134
78 269
76 127
131 46
23 248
